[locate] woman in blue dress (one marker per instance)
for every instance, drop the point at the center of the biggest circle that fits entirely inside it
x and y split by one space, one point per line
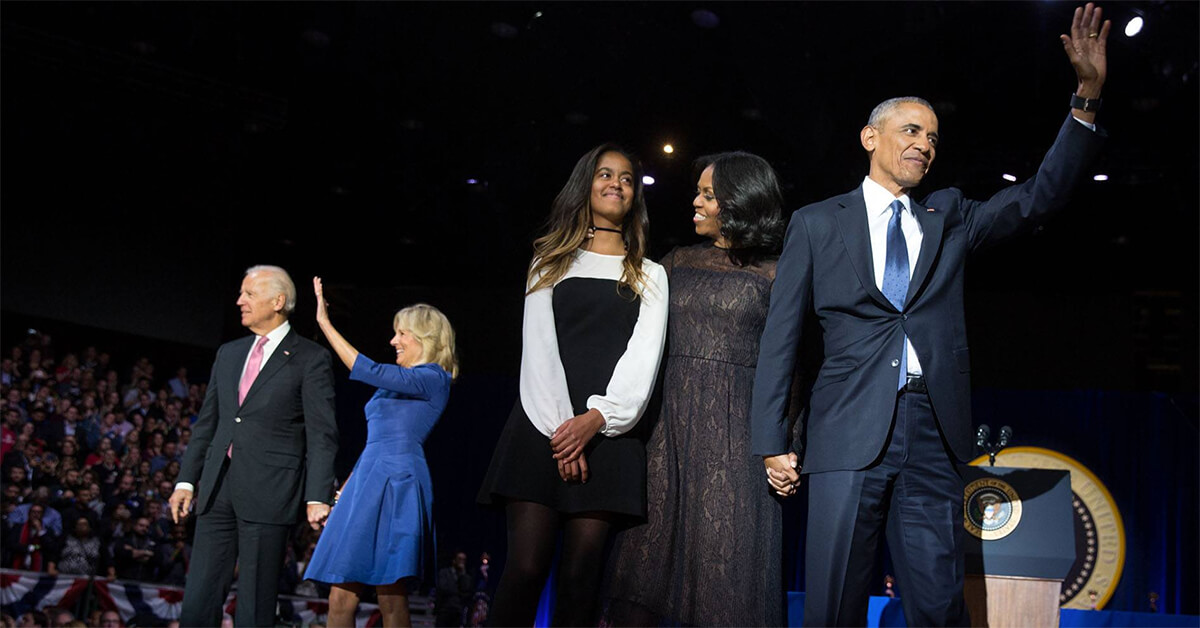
381 530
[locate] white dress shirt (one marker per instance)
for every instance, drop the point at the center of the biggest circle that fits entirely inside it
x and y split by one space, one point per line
879 213
274 337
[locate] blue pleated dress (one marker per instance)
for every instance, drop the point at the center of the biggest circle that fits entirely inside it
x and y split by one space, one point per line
382 527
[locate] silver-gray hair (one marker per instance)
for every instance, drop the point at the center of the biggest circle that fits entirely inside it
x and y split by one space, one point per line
884 109
279 278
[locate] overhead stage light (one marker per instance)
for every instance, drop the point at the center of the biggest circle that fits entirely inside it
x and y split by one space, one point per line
668 149
1100 177
647 180
1134 26
1008 177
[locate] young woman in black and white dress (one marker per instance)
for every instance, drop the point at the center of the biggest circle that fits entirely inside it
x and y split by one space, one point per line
594 325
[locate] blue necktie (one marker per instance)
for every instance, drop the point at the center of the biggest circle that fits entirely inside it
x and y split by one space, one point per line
895 276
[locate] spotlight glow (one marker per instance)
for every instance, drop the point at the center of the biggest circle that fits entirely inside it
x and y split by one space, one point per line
472 181
668 149
1134 26
1009 177
647 180
1100 177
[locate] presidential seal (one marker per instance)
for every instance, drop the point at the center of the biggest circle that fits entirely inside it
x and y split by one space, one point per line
991 508
1099 531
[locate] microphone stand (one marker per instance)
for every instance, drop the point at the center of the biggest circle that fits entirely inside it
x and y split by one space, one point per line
982 436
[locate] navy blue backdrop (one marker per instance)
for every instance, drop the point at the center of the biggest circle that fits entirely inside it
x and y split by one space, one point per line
1143 447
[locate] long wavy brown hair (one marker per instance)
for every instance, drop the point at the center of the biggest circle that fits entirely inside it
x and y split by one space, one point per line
570 217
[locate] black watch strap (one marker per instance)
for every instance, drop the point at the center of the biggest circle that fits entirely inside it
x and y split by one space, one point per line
1086 104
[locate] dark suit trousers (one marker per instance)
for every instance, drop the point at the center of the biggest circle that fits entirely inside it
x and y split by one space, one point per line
223 540
913 492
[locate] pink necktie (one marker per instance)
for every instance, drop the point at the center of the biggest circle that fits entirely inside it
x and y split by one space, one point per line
252 369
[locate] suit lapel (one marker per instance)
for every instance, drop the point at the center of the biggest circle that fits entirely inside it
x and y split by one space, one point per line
932 222
279 357
232 377
856 235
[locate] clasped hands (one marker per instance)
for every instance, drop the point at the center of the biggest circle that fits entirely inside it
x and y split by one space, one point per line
569 439
783 473
317 514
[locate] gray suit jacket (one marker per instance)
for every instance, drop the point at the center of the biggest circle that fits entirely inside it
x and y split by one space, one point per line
284 434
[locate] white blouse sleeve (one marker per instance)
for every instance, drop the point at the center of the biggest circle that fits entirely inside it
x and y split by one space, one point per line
632 380
544 394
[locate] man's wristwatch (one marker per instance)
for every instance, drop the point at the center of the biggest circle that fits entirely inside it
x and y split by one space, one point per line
1086 104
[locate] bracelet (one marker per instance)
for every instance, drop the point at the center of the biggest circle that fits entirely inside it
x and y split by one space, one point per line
1086 104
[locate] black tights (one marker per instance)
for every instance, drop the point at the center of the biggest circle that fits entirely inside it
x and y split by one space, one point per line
532 532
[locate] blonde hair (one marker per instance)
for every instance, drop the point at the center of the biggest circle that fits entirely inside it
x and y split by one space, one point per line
432 329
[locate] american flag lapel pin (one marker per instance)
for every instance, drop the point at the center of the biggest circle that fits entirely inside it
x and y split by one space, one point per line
929 209
286 352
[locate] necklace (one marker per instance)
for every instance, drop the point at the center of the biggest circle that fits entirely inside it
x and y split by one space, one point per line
593 229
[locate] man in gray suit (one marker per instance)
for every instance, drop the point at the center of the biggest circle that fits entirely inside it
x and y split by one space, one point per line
264 441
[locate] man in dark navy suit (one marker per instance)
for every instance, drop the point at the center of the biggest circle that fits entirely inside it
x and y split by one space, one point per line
889 414
264 442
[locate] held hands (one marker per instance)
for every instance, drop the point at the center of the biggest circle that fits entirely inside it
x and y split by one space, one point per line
569 439
782 473
180 504
317 514
1086 47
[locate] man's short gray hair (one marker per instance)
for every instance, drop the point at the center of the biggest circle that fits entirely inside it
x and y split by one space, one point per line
884 109
279 278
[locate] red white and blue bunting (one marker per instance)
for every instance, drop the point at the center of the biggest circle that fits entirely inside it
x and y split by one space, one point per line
21 591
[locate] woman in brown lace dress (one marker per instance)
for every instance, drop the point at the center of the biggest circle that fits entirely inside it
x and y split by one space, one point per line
710 552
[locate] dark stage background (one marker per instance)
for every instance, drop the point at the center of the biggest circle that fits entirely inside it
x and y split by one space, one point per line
152 151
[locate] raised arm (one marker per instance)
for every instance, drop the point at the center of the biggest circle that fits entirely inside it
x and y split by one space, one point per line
1087 49
344 350
1017 208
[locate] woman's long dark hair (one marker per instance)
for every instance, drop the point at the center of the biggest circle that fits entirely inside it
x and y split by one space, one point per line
751 203
571 215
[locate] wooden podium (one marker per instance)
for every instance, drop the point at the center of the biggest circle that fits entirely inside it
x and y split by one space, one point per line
1020 544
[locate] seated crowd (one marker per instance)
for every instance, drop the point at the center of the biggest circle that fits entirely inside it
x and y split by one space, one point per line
91 451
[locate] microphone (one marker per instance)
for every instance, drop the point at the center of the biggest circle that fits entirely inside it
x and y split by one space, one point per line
1005 434
982 435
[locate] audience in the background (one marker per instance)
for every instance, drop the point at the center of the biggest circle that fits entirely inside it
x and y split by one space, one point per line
85 477
88 458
